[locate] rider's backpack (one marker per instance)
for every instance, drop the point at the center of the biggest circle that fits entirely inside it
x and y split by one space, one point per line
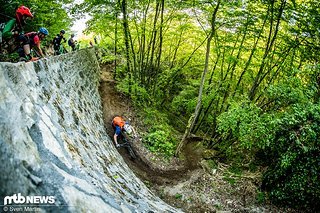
31 36
70 42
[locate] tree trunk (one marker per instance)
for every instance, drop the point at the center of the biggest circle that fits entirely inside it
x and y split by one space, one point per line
157 66
115 41
194 117
270 43
126 39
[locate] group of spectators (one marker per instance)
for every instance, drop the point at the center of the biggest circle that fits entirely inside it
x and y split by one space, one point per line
13 37
57 43
12 34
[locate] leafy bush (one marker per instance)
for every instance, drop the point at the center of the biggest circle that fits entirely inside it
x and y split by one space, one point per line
108 59
13 57
154 119
161 141
169 84
138 94
286 136
293 175
261 197
161 138
186 101
290 141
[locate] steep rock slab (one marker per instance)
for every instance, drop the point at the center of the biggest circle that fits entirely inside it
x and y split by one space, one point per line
53 141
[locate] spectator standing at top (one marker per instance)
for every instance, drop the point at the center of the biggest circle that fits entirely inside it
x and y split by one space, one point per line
57 42
72 42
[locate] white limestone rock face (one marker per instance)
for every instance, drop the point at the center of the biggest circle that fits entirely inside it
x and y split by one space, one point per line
53 141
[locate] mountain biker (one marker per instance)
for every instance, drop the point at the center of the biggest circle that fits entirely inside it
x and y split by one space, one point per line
10 31
72 42
57 42
119 125
30 40
15 26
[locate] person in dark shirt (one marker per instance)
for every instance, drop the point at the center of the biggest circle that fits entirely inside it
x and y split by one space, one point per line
72 42
57 42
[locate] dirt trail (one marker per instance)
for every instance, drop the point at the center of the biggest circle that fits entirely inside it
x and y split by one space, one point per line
115 103
167 179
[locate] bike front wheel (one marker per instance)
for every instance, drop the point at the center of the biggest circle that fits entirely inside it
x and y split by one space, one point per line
131 152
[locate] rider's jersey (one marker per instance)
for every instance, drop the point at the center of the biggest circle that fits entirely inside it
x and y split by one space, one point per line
33 38
117 130
7 30
57 40
8 40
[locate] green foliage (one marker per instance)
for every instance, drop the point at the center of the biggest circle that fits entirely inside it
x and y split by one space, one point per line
229 179
170 83
178 196
161 141
290 140
138 94
14 57
261 197
290 90
235 169
293 176
161 137
287 133
244 122
105 55
108 59
186 101
212 164
8 8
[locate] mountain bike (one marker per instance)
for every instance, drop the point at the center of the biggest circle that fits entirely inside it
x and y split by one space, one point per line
34 54
129 148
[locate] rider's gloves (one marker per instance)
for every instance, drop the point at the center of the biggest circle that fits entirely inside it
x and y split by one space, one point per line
117 145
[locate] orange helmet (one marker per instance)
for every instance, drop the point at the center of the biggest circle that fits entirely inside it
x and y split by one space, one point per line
24 11
118 121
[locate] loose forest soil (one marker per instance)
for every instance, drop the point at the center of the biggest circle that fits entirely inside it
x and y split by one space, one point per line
190 184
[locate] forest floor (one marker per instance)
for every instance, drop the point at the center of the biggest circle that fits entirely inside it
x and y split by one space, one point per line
191 185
